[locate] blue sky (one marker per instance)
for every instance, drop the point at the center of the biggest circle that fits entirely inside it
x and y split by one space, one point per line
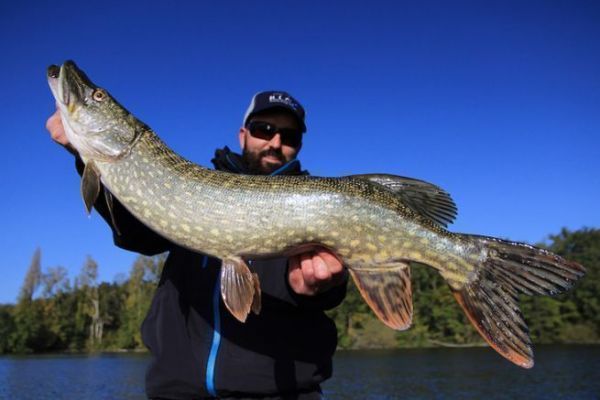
496 101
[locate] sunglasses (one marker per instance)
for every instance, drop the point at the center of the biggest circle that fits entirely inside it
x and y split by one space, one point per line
265 131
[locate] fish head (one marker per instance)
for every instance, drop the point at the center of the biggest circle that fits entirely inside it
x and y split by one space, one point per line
97 126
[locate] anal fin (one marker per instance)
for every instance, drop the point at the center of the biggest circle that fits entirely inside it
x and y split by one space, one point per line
387 290
238 288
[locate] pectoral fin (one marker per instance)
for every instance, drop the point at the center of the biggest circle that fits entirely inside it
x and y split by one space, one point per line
238 288
387 290
256 302
90 185
109 204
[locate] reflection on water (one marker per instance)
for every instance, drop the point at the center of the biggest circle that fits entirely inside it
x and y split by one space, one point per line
567 372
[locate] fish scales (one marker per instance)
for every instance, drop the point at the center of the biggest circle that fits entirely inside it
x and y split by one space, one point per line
295 204
376 223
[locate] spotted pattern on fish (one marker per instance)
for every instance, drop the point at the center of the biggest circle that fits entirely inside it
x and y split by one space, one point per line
289 207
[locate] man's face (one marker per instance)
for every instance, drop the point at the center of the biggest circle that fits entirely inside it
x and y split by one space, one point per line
264 156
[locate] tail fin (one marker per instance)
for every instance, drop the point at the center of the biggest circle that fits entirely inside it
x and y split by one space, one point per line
490 299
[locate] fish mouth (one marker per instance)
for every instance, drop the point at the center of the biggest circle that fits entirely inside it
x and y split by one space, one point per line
53 71
56 84
69 84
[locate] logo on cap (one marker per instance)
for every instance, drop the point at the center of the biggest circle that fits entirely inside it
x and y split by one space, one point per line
280 98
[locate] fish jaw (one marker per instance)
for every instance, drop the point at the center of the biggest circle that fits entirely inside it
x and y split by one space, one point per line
95 124
68 93
53 74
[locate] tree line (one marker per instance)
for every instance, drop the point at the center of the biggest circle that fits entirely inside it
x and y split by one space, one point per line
52 314
55 314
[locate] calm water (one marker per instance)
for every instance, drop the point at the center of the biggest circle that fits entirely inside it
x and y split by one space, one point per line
570 372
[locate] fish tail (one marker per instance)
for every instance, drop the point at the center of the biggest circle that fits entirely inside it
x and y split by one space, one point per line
490 298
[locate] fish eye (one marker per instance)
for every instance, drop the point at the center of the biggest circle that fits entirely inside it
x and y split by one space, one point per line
99 95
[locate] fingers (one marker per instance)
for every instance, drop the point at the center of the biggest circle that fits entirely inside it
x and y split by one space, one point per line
309 270
334 265
315 272
295 276
55 126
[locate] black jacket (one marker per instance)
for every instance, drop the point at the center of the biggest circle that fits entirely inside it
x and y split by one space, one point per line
199 350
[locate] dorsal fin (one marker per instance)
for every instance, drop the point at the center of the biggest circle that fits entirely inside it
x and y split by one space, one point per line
424 198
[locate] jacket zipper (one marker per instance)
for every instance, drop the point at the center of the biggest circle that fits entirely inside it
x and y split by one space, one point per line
216 339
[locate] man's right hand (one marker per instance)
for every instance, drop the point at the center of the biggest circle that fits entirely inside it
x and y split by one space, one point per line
57 131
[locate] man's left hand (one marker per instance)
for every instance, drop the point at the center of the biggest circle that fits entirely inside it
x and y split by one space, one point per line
315 272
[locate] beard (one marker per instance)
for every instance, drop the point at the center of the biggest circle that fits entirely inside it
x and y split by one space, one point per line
254 161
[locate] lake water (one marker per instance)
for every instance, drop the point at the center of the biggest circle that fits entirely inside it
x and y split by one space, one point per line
561 372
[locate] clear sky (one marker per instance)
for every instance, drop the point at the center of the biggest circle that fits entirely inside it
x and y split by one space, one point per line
498 102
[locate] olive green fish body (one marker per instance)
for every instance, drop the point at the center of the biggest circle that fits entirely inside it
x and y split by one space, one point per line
224 214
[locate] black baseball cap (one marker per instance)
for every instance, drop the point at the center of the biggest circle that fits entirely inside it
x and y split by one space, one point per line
263 101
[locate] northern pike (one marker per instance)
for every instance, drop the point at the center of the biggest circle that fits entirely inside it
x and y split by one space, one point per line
376 224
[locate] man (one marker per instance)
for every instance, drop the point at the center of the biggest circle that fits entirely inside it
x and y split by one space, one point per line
201 351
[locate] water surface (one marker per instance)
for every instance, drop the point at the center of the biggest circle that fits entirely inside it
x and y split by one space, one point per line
561 372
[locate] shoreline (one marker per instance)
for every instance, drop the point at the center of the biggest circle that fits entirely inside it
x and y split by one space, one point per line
435 345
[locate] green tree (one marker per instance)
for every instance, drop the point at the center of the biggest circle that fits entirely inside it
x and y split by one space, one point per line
54 282
112 300
575 315
62 321
7 328
140 287
349 317
33 278
57 310
29 333
88 321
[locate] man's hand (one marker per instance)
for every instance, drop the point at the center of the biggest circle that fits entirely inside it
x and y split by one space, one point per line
315 272
57 131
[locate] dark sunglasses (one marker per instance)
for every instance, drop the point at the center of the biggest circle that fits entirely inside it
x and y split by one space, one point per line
265 131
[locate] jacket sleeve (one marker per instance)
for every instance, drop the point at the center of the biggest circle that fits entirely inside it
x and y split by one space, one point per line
277 293
132 234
